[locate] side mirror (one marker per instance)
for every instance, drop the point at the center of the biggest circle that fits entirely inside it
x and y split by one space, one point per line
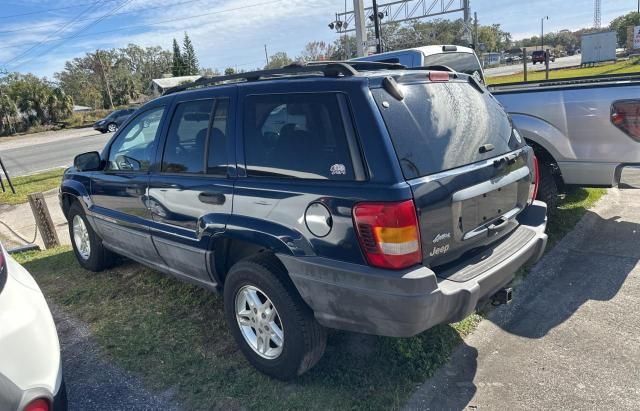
90 161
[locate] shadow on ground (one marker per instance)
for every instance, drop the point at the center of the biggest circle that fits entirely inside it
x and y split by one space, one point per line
592 264
173 337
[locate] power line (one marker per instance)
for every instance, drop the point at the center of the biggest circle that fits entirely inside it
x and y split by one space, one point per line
69 23
98 20
156 23
52 9
164 6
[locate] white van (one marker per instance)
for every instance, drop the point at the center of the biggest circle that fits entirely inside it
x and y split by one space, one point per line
459 58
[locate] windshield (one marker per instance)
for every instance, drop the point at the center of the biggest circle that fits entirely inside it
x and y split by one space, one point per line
440 126
461 62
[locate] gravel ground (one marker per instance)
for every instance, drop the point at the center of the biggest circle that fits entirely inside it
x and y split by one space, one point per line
95 384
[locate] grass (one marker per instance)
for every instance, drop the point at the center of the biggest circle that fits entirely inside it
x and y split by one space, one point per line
570 210
30 184
626 66
174 336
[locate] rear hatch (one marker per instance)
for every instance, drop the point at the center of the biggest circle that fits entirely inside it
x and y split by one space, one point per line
469 170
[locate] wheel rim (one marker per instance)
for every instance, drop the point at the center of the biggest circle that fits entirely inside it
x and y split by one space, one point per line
112 128
259 322
81 237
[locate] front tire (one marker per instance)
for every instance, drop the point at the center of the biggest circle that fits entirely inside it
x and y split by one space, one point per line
112 127
87 245
275 329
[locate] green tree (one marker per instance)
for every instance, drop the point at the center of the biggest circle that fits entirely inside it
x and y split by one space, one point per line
8 110
620 24
229 71
317 51
59 105
189 58
278 60
177 66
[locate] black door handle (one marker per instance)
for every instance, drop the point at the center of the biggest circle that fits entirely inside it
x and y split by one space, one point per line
212 198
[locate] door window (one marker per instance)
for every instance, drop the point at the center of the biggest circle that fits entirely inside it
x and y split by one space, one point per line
217 159
296 136
134 147
184 150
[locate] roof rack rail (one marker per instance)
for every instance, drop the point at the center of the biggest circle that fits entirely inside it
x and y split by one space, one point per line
328 69
362 65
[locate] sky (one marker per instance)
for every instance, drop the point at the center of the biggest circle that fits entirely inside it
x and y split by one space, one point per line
38 36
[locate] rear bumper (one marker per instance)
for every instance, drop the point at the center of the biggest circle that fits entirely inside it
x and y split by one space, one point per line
406 302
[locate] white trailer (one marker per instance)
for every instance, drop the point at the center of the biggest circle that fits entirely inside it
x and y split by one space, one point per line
598 47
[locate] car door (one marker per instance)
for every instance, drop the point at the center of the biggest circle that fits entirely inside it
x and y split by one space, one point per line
118 192
190 193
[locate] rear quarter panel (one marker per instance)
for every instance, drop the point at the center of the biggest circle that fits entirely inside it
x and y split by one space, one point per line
573 124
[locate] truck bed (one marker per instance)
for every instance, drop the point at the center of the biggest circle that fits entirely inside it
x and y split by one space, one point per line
563 84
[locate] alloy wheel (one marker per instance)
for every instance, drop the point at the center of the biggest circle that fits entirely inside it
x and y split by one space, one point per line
81 237
259 322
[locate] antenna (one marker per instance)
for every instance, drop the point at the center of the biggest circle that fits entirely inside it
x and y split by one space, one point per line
597 22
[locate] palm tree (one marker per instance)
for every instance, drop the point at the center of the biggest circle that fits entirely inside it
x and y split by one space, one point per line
59 105
8 110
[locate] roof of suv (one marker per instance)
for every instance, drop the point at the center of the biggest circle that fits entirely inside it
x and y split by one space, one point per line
314 71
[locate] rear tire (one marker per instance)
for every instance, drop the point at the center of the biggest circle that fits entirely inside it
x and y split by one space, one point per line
93 257
548 187
303 339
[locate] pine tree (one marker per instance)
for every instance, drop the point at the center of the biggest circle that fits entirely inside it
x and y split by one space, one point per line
178 64
189 57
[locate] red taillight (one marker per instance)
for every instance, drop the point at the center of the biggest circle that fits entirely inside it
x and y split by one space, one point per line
533 189
438 76
37 405
625 114
389 234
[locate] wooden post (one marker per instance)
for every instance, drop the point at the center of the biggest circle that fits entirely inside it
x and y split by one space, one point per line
546 62
43 220
524 59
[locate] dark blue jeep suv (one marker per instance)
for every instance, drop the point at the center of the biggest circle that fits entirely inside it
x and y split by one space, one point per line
362 196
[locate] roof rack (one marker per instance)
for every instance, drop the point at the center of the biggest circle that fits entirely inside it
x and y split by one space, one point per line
326 68
362 65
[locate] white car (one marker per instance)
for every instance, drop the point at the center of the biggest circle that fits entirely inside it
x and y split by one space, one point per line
30 363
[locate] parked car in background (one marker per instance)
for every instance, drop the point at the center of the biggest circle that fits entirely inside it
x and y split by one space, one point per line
538 56
113 121
463 59
584 130
349 198
30 366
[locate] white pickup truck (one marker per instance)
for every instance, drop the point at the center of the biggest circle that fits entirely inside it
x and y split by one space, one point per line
585 131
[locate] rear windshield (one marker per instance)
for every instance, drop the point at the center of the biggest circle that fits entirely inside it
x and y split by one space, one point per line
461 62
440 126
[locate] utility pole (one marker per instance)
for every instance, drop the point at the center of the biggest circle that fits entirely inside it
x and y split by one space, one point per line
376 27
361 30
266 56
475 31
542 32
105 78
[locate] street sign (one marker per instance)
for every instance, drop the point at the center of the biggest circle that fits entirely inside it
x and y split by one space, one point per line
370 43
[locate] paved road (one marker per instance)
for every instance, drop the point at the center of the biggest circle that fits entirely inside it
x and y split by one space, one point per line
560 62
30 154
570 339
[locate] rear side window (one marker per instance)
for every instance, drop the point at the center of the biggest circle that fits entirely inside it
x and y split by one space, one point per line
296 136
185 146
440 126
461 62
